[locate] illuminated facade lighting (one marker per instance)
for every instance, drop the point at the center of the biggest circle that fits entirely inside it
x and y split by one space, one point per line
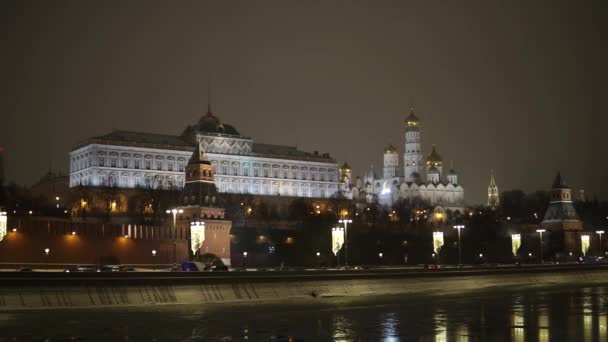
515 243
3 224
197 235
585 244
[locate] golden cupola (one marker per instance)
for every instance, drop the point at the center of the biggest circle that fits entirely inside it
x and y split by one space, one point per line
412 120
434 159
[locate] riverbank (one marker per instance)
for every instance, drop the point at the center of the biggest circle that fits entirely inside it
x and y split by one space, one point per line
39 290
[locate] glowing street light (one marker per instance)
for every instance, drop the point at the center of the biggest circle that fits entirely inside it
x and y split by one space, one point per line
541 231
459 227
600 232
174 212
244 258
46 252
346 222
154 259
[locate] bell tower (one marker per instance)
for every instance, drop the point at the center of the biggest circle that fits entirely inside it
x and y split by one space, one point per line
413 161
493 198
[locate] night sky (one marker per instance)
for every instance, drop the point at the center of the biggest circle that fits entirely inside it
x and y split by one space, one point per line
514 86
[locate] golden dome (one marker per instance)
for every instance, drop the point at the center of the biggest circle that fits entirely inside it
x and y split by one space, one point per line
434 158
412 119
390 149
345 167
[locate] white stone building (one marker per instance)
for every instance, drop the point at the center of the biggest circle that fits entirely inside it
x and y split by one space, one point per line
130 159
422 177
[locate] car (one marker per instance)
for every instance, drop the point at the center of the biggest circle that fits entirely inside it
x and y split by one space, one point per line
590 260
81 269
126 269
216 268
360 268
24 269
109 268
190 266
432 267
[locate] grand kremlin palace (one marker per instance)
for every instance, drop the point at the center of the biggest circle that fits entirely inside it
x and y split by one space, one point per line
126 159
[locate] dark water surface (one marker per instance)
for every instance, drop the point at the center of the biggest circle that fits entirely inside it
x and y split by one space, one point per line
557 314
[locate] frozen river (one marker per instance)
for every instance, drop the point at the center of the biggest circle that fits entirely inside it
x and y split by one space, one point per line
556 314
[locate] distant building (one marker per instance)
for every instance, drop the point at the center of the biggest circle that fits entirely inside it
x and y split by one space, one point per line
493 196
561 217
421 177
125 159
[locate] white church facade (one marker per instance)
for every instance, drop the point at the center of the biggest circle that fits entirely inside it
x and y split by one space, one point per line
130 160
420 177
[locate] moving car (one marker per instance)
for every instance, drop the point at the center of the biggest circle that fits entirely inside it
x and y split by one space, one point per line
24 269
432 267
81 269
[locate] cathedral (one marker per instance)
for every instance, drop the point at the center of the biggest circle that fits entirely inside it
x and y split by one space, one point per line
419 178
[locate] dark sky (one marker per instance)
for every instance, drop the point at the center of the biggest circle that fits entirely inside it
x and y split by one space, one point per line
514 86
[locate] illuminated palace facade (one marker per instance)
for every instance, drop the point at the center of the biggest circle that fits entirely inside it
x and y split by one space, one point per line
125 159
420 177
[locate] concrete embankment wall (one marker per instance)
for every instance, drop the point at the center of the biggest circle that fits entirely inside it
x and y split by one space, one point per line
60 292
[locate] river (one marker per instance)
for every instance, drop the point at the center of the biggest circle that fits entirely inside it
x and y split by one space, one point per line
533 314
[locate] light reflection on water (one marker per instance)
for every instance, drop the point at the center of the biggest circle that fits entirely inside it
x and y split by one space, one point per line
529 315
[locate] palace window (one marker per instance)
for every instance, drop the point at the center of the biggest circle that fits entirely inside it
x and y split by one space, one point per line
159 165
180 167
125 163
265 172
170 166
224 169
275 173
256 172
285 174
136 164
102 161
148 164
246 172
112 162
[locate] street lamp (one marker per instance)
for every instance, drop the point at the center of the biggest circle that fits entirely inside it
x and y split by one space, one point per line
346 222
174 212
459 227
380 256
541 231
46 251
244 258
600 232
154 259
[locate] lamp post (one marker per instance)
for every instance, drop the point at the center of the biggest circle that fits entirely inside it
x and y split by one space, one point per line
459 227
174 212
541 231
46 251
380 255
154 259
346 222
600 232
318 259
244 259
